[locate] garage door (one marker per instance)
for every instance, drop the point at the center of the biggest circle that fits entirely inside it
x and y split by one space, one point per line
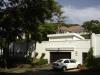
59 55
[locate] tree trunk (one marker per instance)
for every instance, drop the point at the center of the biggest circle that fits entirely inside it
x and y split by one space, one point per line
6 54
27 42
5 57
34 48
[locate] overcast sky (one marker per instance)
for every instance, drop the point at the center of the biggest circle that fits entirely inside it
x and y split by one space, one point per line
79 11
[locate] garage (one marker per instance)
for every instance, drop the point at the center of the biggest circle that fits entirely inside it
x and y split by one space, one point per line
59 55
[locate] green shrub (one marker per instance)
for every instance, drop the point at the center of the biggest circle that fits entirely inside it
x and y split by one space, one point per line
29 60
97 62
90 60
42 62
38 62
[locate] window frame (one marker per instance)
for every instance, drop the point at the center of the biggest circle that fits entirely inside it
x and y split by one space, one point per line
72 61
67 61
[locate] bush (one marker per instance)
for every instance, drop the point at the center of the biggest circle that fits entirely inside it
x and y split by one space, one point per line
42 62
39 62
97 62
29 60
90 60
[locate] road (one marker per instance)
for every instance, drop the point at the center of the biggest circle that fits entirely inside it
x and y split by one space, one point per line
49 71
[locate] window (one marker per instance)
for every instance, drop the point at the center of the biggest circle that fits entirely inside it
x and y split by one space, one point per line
59 60
66 61
73 61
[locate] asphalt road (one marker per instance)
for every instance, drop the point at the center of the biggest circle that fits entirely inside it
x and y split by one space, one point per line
51 72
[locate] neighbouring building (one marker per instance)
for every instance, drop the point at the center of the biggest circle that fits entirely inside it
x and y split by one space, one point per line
68 45
72 28
21 48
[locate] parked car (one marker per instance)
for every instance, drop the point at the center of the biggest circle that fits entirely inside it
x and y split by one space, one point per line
64 64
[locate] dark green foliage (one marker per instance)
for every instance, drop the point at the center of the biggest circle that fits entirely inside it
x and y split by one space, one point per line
40 62
97 64
23 16
47 28
29 60
86 36
92 26
90 63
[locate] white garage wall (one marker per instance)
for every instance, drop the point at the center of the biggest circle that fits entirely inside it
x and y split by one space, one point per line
78 45
96 44
40 48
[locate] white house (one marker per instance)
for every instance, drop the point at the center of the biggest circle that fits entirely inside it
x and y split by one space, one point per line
68 45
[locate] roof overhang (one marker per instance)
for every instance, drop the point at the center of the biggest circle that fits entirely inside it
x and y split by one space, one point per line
60 49
65 34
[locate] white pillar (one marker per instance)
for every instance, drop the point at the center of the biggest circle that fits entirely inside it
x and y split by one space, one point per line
93 43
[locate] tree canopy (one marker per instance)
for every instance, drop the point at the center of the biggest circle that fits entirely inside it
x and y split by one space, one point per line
23 16
92 26
47 28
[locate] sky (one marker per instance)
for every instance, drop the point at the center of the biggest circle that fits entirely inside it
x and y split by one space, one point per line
79 11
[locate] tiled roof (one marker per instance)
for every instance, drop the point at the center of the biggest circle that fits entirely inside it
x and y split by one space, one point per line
73 28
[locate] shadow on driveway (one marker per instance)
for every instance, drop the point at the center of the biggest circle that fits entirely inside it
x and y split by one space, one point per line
50 72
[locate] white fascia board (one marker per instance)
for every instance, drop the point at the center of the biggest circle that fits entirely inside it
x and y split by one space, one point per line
65 34
60 49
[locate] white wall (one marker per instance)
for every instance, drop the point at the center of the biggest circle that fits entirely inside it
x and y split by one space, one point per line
75 38
81 46
96 44
78 45
40 48
63 38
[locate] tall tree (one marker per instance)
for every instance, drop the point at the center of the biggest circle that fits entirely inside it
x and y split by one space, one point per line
92 26
23 16
59 18
47 28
